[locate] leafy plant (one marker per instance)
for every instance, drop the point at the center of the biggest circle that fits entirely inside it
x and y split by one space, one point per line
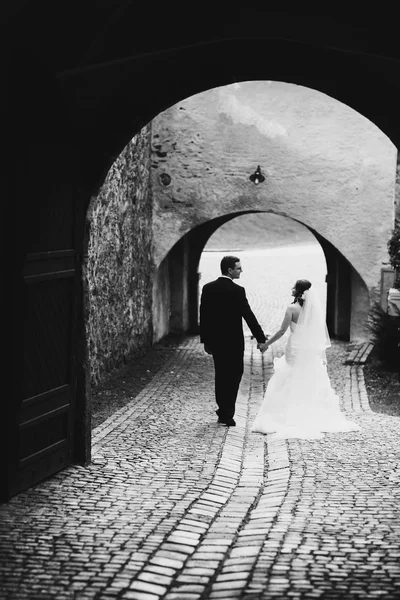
394 252
385 331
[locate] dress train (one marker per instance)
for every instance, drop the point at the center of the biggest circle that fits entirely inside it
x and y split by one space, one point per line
300 403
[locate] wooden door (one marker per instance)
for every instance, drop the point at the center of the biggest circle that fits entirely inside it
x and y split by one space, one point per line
43 422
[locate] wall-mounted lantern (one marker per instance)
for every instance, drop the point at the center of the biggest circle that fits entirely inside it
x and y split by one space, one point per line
257 176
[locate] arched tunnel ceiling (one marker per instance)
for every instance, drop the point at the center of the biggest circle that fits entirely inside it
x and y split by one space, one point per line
104 69
75 34
325 165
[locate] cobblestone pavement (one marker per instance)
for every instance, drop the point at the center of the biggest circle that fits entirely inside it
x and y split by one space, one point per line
177 507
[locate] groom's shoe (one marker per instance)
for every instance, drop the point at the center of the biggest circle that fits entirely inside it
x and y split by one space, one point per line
229 422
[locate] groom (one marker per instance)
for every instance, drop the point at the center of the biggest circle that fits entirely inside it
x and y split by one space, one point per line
223 306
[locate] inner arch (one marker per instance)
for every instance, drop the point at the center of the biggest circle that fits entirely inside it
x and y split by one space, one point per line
274 251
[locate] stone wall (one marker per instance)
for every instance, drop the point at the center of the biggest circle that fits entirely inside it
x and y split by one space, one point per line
119 262
161 301
325 165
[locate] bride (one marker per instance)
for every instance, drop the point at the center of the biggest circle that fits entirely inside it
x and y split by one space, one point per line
299 401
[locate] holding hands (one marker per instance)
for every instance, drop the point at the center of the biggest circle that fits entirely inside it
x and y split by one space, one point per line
262 347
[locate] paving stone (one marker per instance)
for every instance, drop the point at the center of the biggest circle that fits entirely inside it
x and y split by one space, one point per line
190 588
233 576
178 547
164 561
208 556
147 587
183 596
199 571
197 579
155 578
244 551
185 536
225 594
136 595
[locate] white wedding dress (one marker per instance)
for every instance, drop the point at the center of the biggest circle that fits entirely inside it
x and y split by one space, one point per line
299 401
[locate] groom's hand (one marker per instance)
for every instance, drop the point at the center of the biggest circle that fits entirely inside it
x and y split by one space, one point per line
262 346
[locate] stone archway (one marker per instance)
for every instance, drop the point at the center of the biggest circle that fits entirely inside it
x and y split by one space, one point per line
81 101
176 288
325 165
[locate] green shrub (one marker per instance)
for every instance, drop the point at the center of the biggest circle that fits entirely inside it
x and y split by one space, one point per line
385 331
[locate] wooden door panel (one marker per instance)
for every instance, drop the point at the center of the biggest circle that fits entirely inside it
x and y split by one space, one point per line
45 433
47 331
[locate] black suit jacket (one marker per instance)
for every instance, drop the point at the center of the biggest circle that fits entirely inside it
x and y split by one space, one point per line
223 306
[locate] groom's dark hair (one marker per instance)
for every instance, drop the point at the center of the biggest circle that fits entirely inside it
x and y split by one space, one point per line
228 262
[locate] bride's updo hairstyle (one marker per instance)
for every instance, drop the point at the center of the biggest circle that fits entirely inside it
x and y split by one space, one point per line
300 287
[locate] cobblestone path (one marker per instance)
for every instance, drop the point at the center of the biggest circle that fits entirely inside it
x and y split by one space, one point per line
177 507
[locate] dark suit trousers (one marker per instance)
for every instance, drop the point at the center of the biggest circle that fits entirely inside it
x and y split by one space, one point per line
228 365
